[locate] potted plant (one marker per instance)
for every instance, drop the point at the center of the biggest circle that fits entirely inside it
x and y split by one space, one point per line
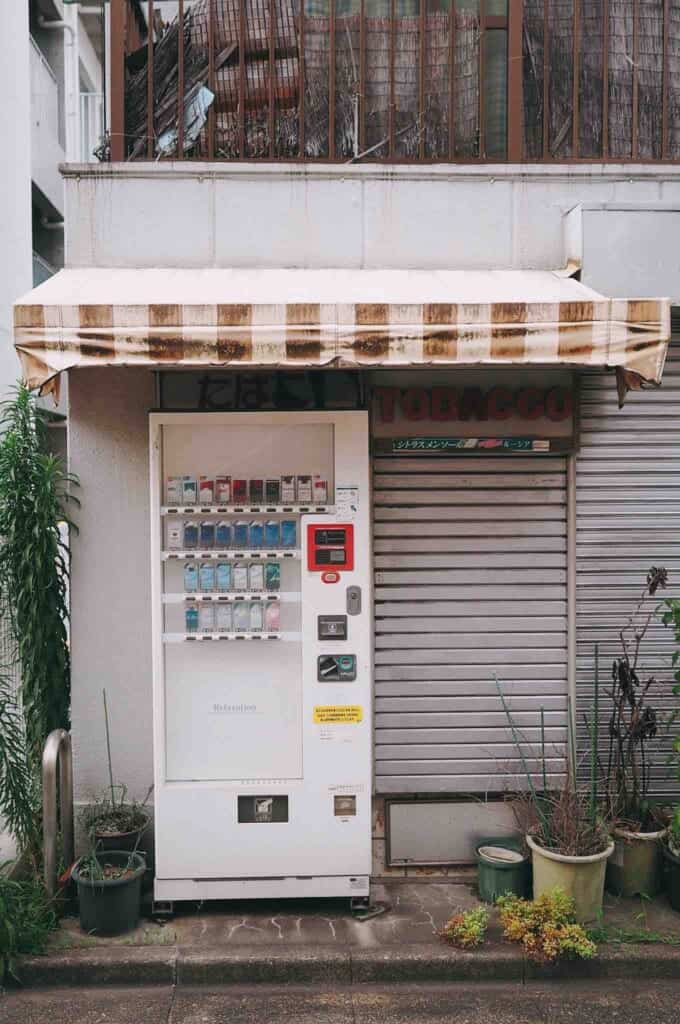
633 726
111 823
565 829
671 855
109 890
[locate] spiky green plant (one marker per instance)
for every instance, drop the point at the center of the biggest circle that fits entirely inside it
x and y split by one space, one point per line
18 789
34 565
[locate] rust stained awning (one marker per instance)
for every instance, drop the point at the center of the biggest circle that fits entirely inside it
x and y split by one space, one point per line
334 318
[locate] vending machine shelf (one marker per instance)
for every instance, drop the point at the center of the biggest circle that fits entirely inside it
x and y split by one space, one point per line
236 553
220 597
219 510
180 638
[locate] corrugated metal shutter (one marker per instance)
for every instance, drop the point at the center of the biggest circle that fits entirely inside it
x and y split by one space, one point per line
470 579
628 519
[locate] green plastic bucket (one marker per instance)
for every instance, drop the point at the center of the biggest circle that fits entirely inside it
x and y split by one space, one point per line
502 868
672 876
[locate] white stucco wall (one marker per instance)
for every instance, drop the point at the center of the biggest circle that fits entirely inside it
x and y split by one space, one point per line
110 586
15 178
342 215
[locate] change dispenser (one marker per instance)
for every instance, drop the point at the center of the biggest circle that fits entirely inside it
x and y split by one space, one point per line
262 707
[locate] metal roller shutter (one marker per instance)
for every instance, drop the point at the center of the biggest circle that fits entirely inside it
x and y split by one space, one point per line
628 519
470 579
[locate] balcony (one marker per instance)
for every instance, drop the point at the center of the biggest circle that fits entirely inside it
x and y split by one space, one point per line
462 81
47 150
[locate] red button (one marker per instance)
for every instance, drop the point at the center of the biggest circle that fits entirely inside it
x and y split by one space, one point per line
330 577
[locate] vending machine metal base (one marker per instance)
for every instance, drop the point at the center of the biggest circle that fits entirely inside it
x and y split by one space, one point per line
261 588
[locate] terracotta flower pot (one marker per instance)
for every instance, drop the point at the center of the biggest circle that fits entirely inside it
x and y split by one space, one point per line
582 878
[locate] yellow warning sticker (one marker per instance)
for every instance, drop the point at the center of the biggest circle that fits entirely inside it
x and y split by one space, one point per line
338 714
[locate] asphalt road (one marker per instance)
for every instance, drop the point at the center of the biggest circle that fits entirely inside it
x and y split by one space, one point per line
634 1002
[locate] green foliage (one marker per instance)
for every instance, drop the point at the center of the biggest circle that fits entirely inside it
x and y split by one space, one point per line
546 927
18 788
34 494
26 920
467 929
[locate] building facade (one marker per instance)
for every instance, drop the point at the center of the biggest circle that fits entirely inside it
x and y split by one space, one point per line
520 541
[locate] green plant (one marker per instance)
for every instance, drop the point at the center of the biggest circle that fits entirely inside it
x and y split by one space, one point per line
467 929
34 569
546 927
561 819
26 920
633 722
18 783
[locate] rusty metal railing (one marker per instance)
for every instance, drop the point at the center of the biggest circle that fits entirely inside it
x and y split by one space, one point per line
464 81
57 759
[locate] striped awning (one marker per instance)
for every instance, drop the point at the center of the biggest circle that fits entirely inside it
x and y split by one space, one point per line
334 318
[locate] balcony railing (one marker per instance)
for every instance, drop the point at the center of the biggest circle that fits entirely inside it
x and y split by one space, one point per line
396 80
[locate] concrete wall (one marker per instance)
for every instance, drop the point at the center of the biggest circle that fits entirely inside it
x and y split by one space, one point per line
15 178
342 215
110 587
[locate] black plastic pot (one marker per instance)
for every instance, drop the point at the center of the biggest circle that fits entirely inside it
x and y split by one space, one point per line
110 906
672 876
118 840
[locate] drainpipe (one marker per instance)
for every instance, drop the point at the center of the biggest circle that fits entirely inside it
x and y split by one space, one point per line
71 83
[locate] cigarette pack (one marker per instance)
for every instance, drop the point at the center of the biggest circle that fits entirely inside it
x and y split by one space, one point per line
256 491
206 618
319 489
191 619
223 576
272 490
173 492
239 492
206 577
224 620
256 576
189 491
223 490
272 533
191 578
256 534
287 490
207 534
240 577
288 533
256 616
240 534
304 489
206 490
173 534
190 535
272 576
272 616
241 616
223 535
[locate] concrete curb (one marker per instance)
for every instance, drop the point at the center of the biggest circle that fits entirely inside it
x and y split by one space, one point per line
327 965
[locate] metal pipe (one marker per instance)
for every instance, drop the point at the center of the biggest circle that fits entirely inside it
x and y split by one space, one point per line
57 752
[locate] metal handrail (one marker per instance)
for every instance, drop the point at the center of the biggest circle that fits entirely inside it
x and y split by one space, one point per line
57 752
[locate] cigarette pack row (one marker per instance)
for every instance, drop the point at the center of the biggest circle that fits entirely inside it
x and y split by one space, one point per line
225 490
239 617
241 577
189 535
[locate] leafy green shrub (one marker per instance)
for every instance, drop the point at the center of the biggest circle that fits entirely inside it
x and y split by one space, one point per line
26 920
467 929
545 927
34 495
18 783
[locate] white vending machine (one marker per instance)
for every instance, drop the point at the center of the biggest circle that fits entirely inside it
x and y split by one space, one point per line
261 587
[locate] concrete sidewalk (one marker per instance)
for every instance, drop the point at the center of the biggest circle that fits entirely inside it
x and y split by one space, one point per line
322 942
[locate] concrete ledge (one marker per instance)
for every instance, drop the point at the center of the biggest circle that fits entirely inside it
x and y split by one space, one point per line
258 964
326 965
113 965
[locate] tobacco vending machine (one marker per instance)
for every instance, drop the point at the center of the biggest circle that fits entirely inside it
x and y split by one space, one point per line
261 588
